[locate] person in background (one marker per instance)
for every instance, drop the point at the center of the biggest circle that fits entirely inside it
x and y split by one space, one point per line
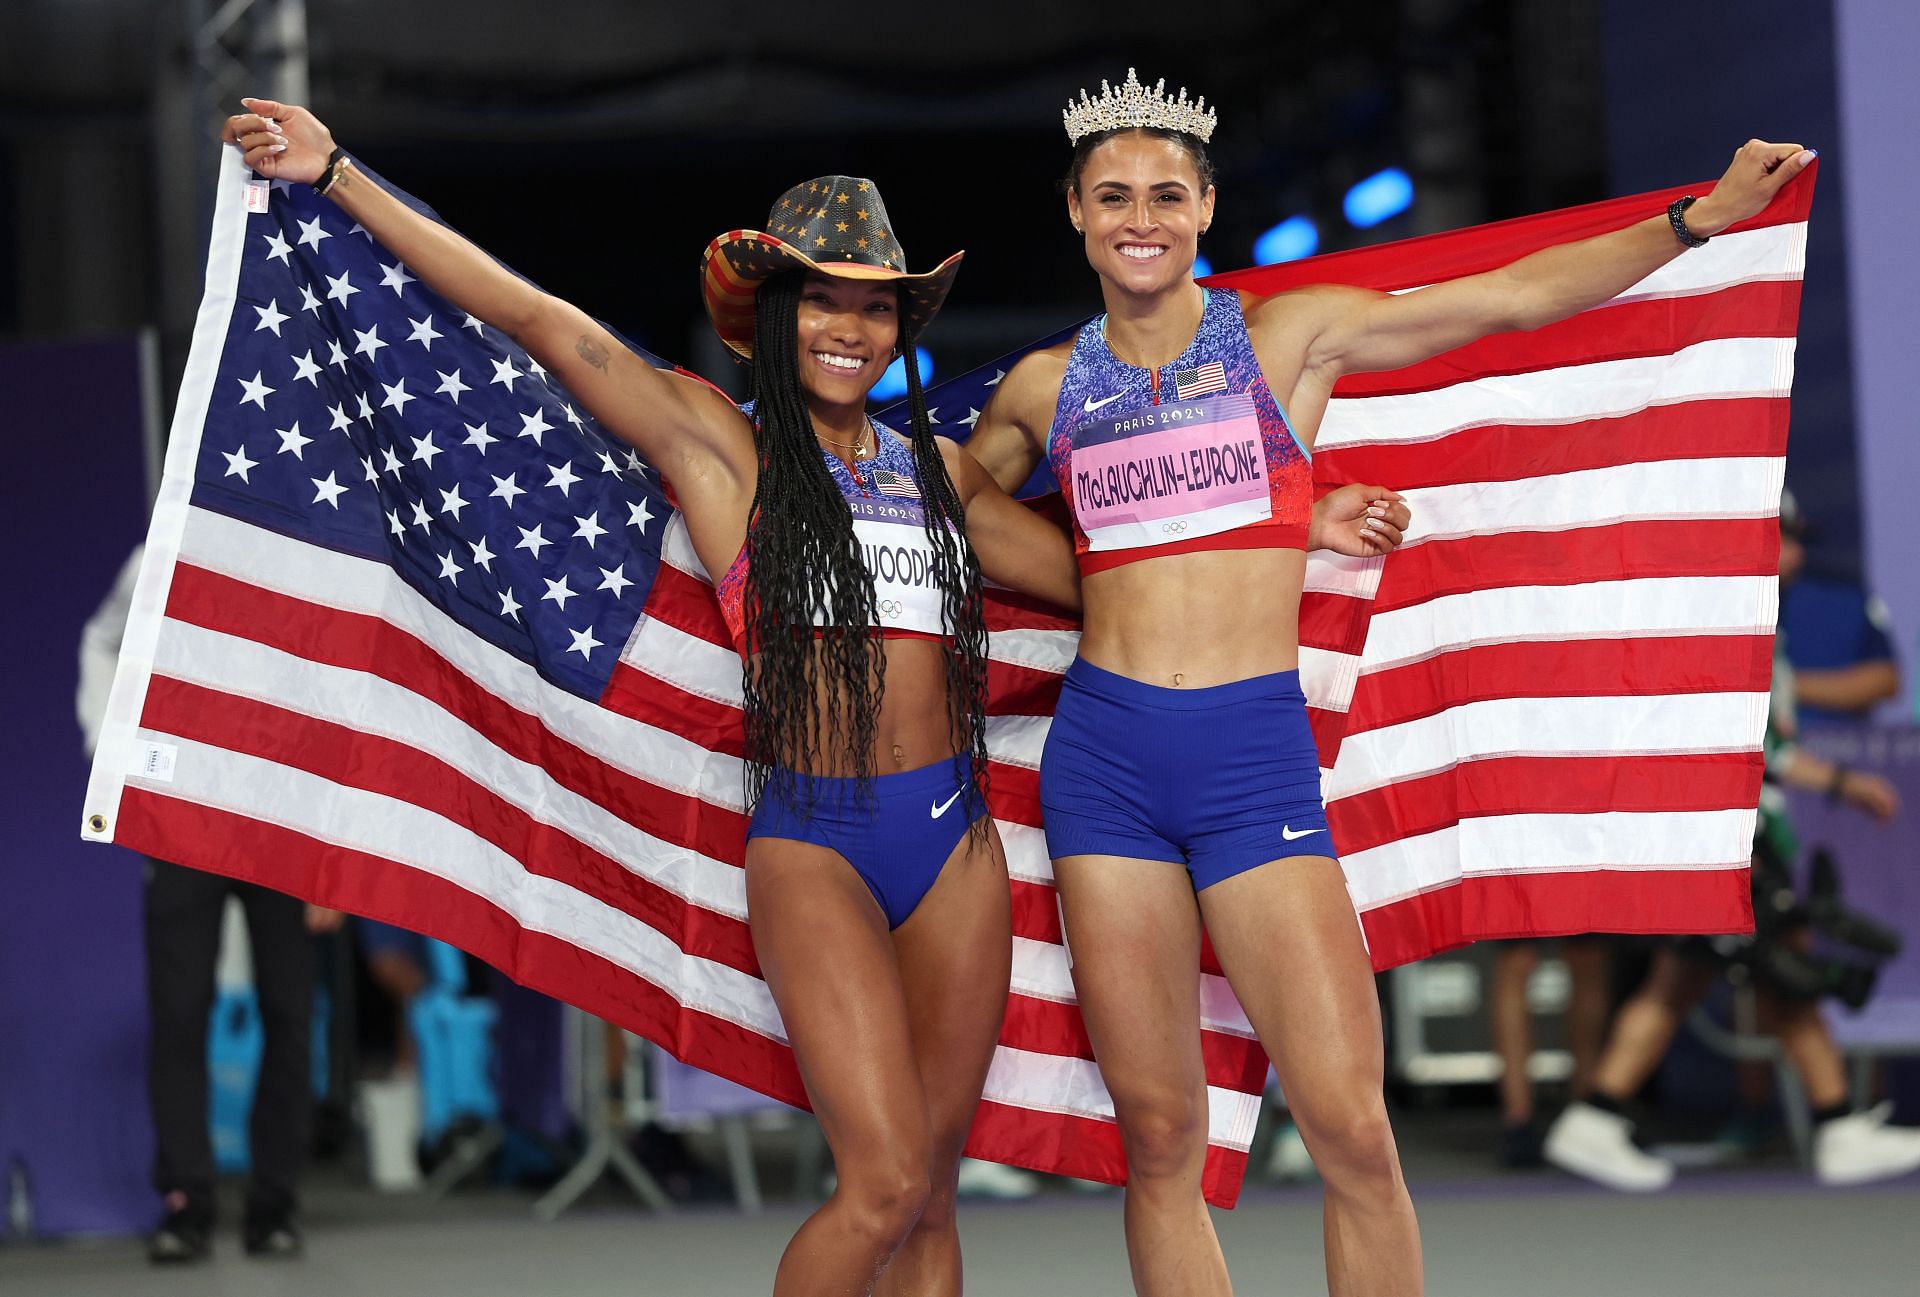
184 912
1836 636
1510 1020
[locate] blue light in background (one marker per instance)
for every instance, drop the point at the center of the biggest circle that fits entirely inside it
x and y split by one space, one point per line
1381 196
1292 239
893 384
1202 267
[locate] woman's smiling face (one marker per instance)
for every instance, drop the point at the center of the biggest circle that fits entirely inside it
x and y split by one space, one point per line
846 331
1142 206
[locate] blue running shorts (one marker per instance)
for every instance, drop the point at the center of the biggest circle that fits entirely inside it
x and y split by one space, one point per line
1219 779
897 841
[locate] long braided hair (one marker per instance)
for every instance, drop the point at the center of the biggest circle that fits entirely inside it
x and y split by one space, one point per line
810 694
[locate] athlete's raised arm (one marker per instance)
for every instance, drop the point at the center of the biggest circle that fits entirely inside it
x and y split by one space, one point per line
1355 330
689 431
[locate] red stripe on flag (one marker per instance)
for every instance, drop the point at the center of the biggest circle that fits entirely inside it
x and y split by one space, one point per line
1612 331
1710 781
277 857
360 642
1735 427
1620 551
389 768
1042 1026
1545 905
1597 668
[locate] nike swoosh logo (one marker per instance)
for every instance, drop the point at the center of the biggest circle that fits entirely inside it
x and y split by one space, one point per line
941 809
1090 405
1290 835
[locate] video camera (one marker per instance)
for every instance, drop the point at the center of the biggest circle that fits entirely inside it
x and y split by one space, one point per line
1851 949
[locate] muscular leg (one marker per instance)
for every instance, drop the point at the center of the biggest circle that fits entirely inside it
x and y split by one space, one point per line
1512 1029
1133 929
825 951
1809 1047
955 955
1289 942
1647 1022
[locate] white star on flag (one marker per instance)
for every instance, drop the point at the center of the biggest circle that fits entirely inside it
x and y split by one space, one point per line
421 518
509 606
291 440
424 449
256 391
238 465
533 425
303 367
450 385
309 302
583 642
533 540
505 487
367 342
448 568
395 277
563 476
423 332
558 591
336 354
270 317
450 502
638 515
504 372
278 249
482 555
479 438
589 529
311 234
615 579
327 489
397 396
390 462
340 288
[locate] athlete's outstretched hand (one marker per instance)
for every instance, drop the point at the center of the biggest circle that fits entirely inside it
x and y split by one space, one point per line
280 141
1359 520
1759 171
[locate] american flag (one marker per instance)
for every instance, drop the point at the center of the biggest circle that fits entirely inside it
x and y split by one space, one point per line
888 482
1204 381
416 639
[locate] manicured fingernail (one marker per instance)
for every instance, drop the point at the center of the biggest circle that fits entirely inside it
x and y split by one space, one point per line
1377 511
276 148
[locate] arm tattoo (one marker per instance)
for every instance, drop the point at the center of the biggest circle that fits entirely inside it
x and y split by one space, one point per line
591 352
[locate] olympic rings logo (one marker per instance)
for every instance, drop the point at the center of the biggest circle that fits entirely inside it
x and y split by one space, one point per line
891 607
1173 528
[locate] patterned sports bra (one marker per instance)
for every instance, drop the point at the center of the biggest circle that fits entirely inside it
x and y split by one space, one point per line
889 522
1194 455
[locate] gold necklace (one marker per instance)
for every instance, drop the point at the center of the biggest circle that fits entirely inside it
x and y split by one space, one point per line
853 446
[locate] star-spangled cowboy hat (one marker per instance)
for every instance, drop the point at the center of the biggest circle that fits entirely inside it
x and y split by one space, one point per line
836 225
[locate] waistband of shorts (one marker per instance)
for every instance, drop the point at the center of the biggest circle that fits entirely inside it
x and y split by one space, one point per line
937 777
1280 686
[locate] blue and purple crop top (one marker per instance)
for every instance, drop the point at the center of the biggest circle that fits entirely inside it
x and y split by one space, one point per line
889 522
1194 455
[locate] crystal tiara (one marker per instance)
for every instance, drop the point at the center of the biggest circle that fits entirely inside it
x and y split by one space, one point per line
1135 105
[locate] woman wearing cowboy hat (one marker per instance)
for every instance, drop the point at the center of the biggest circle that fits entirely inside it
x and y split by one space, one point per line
1180 783
876 888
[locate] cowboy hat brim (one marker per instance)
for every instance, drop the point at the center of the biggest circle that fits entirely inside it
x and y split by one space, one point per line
738 262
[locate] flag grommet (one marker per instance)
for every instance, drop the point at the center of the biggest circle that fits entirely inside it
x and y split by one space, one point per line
96 823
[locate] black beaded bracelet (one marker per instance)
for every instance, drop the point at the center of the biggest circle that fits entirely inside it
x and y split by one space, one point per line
331 171
1677 218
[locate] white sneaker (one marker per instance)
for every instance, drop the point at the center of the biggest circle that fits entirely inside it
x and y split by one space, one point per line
1289 1162
1598 1145
1860 1147
995 1180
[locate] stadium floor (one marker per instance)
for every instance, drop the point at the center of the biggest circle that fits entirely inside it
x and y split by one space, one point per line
1766 1232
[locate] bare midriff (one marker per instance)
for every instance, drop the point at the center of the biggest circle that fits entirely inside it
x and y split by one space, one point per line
913 728
1187 621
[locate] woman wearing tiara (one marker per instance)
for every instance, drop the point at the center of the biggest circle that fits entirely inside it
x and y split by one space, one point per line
876 887
1180 783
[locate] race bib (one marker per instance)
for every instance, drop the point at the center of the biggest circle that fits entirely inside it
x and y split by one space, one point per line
1170 473
892 535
